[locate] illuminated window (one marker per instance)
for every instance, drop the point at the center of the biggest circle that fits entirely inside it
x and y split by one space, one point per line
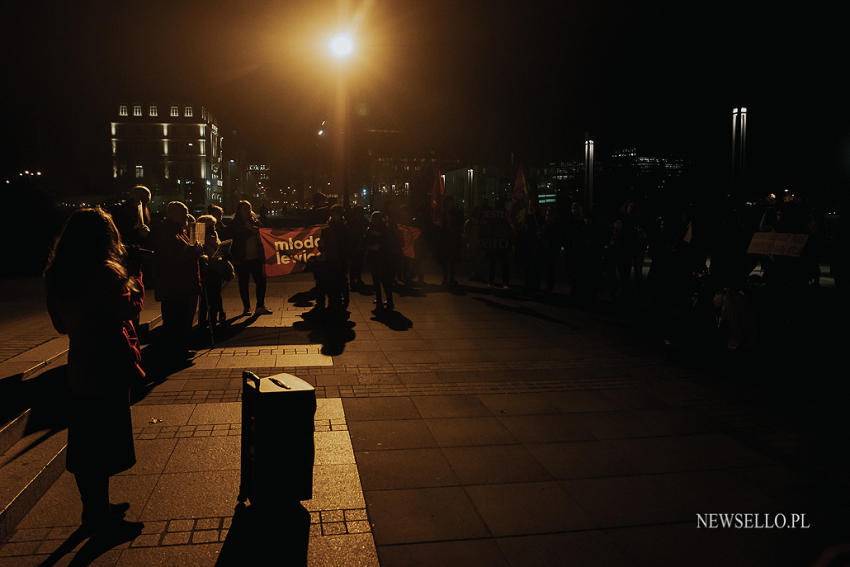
175 111
152 111
122 110
187 112
140 172
137 110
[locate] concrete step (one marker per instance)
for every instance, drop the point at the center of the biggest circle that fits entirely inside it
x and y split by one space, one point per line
27 470
13 431
32 456
36 360
53 353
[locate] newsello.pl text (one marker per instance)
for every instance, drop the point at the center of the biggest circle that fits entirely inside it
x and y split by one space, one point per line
752 521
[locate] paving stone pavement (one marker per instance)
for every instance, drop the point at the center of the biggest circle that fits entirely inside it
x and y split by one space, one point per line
486 430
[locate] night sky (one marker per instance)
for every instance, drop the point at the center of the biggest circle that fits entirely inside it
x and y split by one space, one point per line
474 80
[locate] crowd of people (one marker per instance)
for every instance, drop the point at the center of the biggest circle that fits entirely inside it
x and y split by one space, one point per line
96 272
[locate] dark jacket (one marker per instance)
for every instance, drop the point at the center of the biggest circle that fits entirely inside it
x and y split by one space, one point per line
103 359
380 245
242 233
176 269
334 245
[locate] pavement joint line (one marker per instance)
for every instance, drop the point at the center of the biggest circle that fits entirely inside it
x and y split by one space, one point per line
207 430
199 530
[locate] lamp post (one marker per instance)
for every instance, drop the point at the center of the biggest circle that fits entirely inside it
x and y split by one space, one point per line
341 47
739 148
588 174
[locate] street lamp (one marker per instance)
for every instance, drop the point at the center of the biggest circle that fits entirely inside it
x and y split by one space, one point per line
341 47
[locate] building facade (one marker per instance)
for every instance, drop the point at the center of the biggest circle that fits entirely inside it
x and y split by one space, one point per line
174 149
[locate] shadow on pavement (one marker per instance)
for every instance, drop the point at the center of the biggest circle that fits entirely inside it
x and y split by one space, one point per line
277 536
392 319
328 328
525 311
45 395
97 545
303 298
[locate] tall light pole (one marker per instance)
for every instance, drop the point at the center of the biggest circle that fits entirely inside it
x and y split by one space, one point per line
739 147
341 47
588 174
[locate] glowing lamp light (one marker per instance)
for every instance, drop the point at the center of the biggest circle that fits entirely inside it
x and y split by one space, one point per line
321 132
341 46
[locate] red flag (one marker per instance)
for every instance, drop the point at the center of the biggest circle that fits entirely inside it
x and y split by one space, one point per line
519 199
437 194
410 234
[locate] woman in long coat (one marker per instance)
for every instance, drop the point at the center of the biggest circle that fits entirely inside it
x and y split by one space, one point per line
91 298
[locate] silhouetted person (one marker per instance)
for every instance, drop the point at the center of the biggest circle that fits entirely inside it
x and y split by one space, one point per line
379 257
619 251
92 298
333 245
495 240
318 214
133 219
218 214
178 278
551 240
215 270
450 241
357 236
528 250
247 254
472 242
669 275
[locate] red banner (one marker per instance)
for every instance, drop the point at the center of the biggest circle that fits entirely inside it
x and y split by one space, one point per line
287 251
410 235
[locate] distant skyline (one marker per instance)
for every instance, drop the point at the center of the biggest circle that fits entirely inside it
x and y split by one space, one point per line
469 79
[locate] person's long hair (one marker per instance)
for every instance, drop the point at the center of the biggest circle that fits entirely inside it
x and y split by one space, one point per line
88 247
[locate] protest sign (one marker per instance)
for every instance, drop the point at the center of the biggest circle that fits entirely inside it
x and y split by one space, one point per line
287 251
777 244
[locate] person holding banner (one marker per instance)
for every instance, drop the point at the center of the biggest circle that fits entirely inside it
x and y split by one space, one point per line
247 254
379 256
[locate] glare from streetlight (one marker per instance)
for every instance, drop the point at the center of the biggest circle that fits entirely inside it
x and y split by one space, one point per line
341 45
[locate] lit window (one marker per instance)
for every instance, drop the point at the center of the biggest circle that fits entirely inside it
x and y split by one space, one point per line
187 112
175 111
152 111
137 110
140 172
122 110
